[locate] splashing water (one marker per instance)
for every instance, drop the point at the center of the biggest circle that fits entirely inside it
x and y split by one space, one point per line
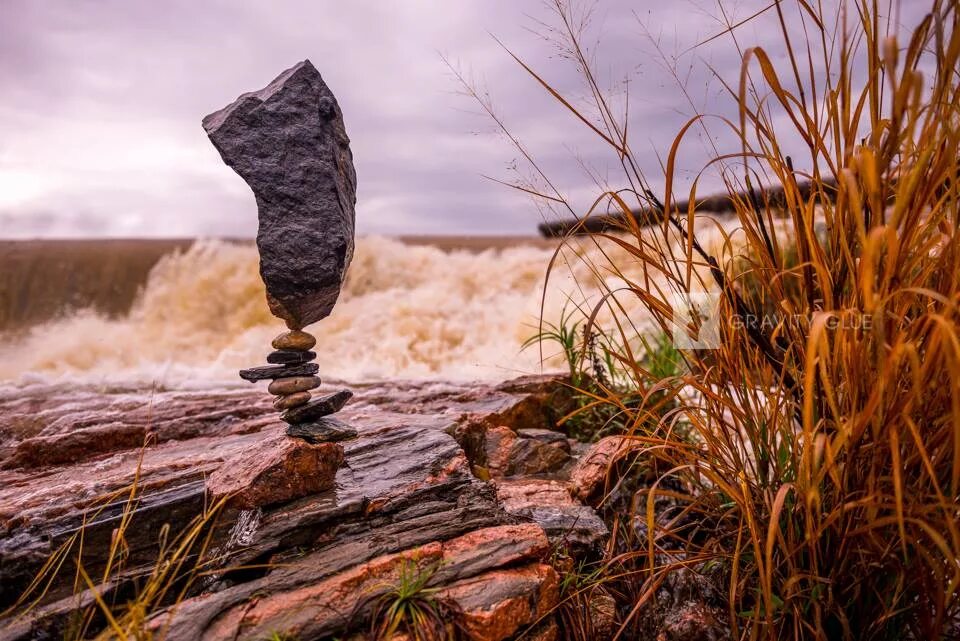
406 311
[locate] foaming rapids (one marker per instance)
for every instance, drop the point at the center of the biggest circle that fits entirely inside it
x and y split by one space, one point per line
406 312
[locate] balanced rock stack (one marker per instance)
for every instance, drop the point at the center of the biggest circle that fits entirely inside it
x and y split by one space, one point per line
292 373
289 144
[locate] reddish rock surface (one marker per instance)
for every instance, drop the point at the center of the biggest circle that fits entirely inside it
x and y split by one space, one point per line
405 491
589 475
280 470
287 556
568 523
312 609
499 604
509 453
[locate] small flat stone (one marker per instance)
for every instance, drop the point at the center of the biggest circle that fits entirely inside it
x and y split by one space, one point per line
322 430
292 400
290 357
283 386
323 406
295 339
266 372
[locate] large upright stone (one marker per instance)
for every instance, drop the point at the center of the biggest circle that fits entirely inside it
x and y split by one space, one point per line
288 142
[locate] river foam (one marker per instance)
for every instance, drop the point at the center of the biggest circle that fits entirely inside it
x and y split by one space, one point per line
406 312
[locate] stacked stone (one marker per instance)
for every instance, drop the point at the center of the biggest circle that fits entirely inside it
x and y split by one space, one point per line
292 373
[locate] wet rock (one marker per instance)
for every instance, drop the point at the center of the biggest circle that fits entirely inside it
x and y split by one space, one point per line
508 453
76 426
294 339
686 607
293 385
289 143
290 357
304 601
535 456
323 406
497 605
603 614
497 448
546 437
292 400
279 471
548 503
589 475
405 483
323 430
517 494
267 372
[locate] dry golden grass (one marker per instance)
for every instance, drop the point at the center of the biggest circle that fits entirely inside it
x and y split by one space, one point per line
182 560
819 455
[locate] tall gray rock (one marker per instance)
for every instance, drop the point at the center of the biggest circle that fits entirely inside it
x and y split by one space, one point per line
288 142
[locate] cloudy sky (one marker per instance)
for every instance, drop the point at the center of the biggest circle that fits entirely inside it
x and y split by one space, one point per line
102 100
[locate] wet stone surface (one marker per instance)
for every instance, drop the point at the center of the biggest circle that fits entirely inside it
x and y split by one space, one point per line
318 408
405 490
290 357
322 430
270 372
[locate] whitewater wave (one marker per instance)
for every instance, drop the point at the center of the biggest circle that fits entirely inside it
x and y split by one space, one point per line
406 312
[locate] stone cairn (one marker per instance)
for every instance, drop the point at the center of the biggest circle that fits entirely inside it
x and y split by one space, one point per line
292 375
289 144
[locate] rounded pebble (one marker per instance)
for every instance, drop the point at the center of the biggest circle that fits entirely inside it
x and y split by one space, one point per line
293 384
296 340
292 400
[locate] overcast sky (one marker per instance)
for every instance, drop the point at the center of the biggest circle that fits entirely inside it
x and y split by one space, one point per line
102 101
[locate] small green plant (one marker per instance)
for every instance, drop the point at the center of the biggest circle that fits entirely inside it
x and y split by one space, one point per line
566 333
410 607
595 362
661 358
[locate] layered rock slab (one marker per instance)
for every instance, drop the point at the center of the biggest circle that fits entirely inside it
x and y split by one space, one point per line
289 143
493 596
406 484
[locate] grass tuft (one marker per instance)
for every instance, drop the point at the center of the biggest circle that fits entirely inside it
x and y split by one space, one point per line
820 457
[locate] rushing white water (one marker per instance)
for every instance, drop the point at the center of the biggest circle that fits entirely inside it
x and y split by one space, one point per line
407 311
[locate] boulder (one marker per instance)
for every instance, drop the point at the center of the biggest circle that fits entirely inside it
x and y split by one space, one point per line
588 477
289 143
499 604
547 503
278 471
509 453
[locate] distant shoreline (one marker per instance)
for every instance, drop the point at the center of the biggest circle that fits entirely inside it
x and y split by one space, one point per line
477 242
41 278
